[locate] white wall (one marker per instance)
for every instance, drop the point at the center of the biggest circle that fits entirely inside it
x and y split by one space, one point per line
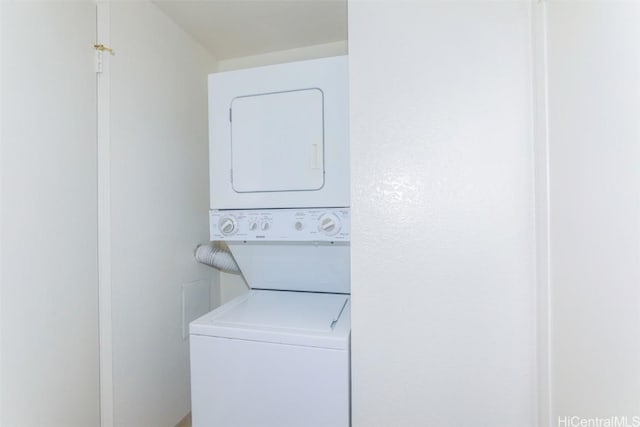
282 56
443 260
541 149
159 194
594 170
48 264
2 37
232 285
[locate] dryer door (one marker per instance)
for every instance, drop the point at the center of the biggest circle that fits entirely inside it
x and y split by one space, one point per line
277 141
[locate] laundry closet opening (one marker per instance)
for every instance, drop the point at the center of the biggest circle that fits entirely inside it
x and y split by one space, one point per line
158 184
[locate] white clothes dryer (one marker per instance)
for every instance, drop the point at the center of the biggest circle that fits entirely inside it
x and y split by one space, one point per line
279 136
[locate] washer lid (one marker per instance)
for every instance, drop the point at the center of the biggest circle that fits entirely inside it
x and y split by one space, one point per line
298 311
302 318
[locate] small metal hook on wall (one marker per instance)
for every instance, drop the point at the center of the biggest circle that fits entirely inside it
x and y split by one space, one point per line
103 48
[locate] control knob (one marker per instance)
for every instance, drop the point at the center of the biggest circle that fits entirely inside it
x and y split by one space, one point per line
329 224
228 225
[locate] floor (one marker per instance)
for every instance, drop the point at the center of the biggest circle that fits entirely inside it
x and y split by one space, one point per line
186 421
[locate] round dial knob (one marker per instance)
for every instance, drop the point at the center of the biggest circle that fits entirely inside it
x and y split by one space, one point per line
227 225
264 226
253 226
329 224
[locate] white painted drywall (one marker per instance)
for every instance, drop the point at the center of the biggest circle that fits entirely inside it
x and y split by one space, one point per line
231 286
48 266
282 56
159 204
232 29
443 251
2 37
594 170
541 149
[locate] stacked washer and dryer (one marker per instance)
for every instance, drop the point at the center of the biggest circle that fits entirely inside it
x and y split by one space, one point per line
279 355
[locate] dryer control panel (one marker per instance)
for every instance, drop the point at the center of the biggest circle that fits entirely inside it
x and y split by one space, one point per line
323 225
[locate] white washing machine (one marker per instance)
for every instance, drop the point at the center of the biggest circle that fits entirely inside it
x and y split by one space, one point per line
279 356
272 359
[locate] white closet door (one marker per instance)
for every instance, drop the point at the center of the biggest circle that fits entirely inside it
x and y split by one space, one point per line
48 260
277 141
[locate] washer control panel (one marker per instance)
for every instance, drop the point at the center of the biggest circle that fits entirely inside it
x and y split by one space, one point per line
323 224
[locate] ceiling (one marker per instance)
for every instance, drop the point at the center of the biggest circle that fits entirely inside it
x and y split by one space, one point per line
235 28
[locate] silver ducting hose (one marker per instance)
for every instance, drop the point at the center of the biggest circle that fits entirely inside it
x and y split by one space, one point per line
217 257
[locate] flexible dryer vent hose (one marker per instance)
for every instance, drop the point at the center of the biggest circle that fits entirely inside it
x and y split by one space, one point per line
217 258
